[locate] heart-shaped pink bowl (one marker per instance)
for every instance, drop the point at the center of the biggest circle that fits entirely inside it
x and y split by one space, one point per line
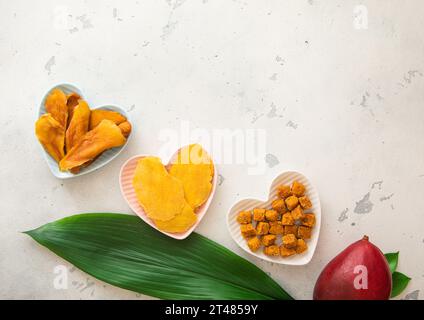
125 180
285 178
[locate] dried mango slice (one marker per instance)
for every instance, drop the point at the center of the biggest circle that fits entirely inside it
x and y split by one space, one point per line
125 128
160 194
98 115
85 165
105 136
56 106
194 168
78 126
180 223
72 102
51 135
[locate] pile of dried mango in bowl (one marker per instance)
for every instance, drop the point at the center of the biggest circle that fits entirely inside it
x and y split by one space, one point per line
290 218
74 135
172 195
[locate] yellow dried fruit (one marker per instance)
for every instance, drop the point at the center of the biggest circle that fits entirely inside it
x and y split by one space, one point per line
78 125
194 168
244 217
272 250
125 128
98 115
105 136
180 223
69 120
160 194
254 243
56 106
51 135
72 102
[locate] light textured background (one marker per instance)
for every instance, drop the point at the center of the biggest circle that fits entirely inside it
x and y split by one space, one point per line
343 106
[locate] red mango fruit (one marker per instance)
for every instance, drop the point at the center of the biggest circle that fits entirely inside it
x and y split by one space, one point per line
360 272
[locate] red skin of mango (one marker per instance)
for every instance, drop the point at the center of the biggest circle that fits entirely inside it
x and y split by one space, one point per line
336 281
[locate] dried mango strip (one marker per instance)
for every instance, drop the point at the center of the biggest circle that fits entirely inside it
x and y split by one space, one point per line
125 128
56 106
71 103
78 126
51 135
105 136
98 115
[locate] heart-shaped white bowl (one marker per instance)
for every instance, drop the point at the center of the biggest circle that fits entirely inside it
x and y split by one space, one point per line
104 158
285 178
125 181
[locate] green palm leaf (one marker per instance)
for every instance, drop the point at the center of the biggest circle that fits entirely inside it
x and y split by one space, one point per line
124 251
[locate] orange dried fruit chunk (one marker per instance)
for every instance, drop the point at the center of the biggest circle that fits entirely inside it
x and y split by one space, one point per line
98 115
125 128
78 126
56 106
72 102
180 223
159 194
51 135
194 168
105 136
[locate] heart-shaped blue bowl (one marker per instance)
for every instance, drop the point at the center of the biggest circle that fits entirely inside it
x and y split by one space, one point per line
104 158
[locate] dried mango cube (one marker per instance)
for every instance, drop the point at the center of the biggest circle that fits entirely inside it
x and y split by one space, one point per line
244 217
308 220
301 246
269 239
287 219
305 202
284 191
289 241
290 230
276 227
262 228
254 243
298 189
272 250
247 230
292 202
259 214
304 232
279 205
271 215
297 213
286 252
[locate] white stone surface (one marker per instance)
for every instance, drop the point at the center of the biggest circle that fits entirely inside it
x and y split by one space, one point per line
348 113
